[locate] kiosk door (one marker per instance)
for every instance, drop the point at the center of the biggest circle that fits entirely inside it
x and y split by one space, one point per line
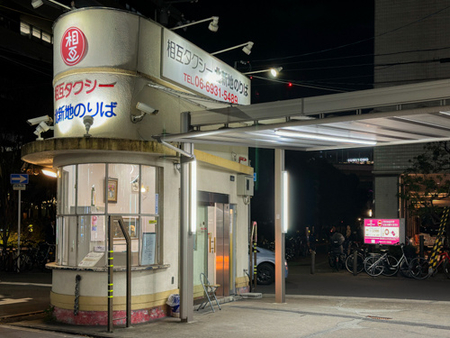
223 263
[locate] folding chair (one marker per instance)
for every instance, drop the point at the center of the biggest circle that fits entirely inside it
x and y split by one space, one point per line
210 291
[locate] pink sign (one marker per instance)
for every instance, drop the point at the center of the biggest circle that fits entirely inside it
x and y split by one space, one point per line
73 46
381 231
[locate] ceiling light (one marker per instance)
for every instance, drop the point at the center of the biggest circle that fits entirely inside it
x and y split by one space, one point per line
289 133
284 202
193 196
49 173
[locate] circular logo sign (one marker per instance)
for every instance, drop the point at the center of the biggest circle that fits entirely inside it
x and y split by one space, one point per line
73 46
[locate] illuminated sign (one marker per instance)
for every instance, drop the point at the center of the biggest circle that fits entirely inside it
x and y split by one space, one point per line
71 109
383 231
97 95
193 68
73 46
358 160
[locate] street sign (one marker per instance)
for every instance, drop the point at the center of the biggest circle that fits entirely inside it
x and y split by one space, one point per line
19 186
19 178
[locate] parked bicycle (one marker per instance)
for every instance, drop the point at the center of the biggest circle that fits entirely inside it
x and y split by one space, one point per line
421 268
361 254
388 265
45 254
32 255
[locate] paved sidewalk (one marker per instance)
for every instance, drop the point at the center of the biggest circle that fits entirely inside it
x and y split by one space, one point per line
300 316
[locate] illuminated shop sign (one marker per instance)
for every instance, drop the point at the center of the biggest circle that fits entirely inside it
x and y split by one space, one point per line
69 110
383 231
73 46
80 95
191 67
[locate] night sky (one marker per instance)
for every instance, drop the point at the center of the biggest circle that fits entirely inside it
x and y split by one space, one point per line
324 47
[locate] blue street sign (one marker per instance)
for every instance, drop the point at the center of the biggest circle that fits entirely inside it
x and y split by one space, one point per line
19 178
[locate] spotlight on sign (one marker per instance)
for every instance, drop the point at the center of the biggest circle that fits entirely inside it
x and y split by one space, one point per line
213 25
88 121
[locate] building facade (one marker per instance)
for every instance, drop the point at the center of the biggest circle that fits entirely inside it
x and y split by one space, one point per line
410 47
120 80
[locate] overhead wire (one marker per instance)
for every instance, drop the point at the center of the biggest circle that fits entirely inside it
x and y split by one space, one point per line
279 60
365 55
356 42
299 84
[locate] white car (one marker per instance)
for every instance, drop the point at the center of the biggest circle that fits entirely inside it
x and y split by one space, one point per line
265 261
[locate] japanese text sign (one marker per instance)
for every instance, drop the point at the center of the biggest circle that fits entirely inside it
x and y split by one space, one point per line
193 68
381 231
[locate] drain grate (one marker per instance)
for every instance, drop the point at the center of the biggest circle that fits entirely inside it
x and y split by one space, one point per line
378 318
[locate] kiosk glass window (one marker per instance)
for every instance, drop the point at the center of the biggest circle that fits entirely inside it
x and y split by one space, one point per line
149 191
91 187
123 188
66 190
88 194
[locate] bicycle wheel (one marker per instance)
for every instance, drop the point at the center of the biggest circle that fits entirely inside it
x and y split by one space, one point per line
373 265
359 263
26 263
390 266
419 268
405 269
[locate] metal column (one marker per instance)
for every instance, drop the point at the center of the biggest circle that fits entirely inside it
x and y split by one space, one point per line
186 238
279 236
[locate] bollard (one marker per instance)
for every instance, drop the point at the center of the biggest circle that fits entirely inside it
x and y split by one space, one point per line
313 261
355 262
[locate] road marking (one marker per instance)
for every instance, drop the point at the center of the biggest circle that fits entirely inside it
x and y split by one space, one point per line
26 284
9 301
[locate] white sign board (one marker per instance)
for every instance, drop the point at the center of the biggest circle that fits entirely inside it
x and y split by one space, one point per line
148 248
191 67
91 259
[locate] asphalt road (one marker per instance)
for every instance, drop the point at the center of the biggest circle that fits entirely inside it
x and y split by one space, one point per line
24 292
7 331
325 282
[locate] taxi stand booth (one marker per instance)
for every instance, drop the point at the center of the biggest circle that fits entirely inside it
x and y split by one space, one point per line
120 80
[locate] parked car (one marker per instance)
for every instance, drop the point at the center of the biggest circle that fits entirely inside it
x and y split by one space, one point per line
265 261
